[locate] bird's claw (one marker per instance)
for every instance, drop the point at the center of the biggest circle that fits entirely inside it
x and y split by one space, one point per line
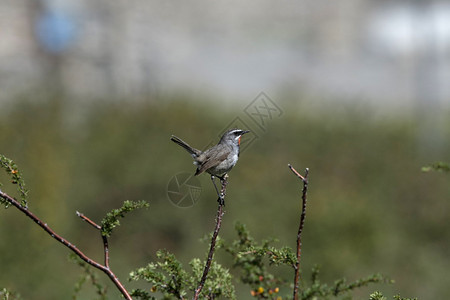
221 200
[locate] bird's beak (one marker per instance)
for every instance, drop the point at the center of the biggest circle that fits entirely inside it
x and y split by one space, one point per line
242 133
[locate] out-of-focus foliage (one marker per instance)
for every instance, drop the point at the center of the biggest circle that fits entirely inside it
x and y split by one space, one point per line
169 280
379 296
90 275
437 166
252 260
167 277
370 209
16 178
8 295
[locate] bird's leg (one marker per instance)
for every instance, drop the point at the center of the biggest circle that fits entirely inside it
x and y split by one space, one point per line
217 190
221 199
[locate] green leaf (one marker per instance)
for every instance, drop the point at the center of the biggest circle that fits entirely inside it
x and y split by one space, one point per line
377 296
16 178
111 220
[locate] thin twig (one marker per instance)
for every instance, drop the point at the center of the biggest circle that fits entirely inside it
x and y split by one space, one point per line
219 216
104 237
73 248
89 221
268 252
106 250
304 179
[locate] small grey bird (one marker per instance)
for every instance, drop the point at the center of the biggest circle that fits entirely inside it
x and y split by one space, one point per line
219 159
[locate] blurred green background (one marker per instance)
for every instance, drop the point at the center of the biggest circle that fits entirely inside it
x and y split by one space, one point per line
370 208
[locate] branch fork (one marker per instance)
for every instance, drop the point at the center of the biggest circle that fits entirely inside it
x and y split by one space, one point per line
105 268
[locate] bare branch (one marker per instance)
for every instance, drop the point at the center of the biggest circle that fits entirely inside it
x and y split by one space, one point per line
219 216
105 268
304 179
104 237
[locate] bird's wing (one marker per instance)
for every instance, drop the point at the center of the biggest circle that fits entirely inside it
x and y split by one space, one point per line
211 159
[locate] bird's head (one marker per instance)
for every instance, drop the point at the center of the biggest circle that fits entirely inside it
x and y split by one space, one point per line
234 135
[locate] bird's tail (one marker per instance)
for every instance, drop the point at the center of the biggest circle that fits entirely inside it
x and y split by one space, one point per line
194 152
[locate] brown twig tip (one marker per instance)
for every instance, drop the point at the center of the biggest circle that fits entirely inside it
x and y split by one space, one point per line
86 219
303 178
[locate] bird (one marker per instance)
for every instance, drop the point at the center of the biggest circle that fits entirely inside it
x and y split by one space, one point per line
217 160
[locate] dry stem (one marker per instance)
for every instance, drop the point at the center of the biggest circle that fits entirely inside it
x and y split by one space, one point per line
219 216
304 179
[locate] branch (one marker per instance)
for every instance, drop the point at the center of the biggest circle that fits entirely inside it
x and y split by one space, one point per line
104 237
219 216
304 179
89 221
73 248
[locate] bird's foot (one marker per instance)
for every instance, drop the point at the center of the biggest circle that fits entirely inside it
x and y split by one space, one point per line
221 200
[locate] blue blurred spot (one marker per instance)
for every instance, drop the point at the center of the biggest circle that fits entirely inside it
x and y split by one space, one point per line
56 31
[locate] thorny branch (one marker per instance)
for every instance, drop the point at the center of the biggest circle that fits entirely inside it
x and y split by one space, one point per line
105 268
219 216
304 179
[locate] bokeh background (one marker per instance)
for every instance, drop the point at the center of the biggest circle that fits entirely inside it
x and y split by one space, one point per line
358 91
